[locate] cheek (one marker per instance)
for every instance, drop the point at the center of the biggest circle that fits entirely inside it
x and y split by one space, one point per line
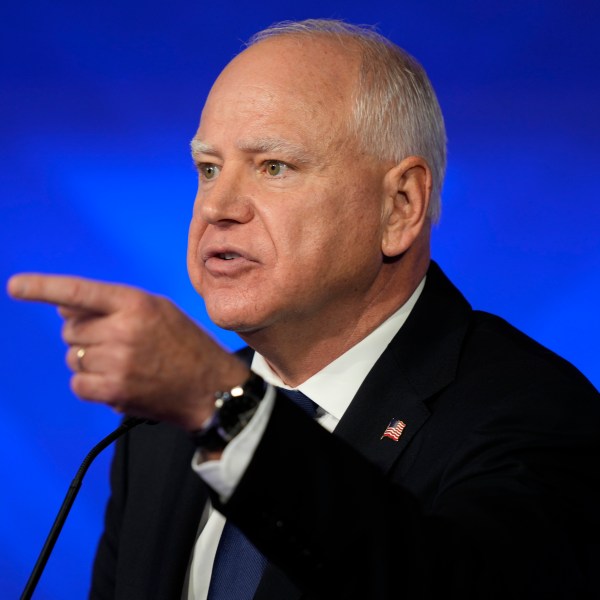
351 219
194 235
331 245
356 235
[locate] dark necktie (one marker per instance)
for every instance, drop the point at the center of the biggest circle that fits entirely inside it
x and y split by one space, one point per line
238 565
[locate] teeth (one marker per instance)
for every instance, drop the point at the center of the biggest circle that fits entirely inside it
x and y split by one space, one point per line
228 255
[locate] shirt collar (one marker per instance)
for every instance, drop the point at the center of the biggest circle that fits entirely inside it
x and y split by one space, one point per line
334 386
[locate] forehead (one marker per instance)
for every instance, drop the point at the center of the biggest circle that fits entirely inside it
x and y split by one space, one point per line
288 82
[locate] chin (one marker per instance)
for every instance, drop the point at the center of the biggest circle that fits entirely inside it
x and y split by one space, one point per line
234 310
233 319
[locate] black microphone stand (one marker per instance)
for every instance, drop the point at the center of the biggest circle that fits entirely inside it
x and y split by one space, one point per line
61 517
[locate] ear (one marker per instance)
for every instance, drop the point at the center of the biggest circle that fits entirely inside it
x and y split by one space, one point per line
407 188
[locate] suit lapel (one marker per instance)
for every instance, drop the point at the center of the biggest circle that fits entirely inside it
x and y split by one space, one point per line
419 362
376 403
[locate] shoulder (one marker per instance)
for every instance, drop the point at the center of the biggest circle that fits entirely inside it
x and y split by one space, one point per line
496 351
508 386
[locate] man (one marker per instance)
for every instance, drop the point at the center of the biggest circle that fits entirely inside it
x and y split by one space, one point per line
463 459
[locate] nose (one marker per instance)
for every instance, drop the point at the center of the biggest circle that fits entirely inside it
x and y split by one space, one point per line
224 201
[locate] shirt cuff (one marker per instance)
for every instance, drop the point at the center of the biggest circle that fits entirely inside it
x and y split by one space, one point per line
223 475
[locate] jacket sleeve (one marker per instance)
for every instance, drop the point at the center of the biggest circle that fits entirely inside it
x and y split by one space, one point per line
510 510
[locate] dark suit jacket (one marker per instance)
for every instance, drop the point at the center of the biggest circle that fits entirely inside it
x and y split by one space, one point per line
491 491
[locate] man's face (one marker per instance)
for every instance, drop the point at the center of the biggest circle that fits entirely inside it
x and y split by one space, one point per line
287 220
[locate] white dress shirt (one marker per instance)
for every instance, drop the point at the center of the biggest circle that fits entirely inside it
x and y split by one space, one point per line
332 389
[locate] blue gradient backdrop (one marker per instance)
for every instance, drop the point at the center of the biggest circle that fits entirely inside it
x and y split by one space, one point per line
99 100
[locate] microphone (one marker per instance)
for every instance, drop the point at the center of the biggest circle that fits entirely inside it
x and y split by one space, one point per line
127 424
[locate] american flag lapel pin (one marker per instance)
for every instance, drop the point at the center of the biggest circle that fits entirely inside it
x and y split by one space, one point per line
394 429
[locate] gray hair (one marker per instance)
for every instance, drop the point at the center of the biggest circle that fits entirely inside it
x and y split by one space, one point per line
396 111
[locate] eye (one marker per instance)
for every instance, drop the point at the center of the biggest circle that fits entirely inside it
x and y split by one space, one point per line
208 171
275 168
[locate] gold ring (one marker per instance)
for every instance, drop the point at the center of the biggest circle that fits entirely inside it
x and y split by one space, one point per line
80 354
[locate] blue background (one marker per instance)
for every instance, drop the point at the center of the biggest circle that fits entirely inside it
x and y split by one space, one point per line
99 100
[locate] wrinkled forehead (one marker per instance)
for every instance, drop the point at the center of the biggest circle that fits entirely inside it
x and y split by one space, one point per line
316 78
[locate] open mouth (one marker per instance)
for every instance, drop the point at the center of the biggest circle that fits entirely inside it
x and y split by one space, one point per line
227 255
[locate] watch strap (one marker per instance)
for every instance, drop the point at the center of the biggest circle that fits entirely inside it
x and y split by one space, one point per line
233 411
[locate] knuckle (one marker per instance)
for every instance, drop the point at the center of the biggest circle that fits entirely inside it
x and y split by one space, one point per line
162 301
111 392
66 331
73 292
106 390
141 310
78 387
142 302
124 367
121 327
69 331
70 359
116 387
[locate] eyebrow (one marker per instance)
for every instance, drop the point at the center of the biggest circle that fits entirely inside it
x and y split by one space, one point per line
198 147
272 144
262 145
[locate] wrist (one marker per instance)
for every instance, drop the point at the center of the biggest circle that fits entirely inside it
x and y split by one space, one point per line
233 409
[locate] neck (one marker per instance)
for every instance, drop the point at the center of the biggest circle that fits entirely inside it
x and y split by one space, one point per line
297 349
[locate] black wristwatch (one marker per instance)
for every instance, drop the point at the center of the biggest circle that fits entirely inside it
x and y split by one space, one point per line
233 411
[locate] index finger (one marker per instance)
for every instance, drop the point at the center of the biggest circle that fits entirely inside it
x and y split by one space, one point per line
67 291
